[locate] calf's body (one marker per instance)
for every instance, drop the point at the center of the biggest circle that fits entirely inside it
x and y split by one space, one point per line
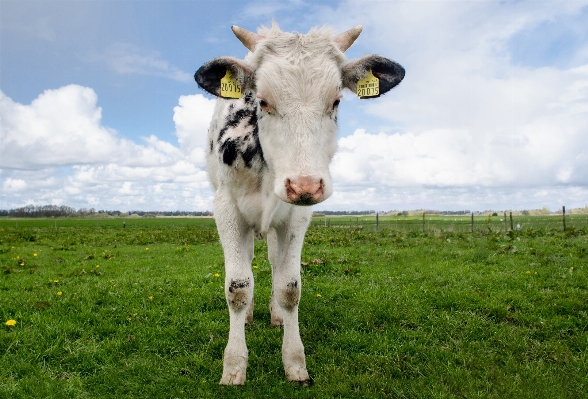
268 157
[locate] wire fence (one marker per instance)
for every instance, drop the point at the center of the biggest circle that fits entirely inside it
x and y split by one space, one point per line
469 223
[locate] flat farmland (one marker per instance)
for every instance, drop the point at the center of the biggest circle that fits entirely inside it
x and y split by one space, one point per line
102 311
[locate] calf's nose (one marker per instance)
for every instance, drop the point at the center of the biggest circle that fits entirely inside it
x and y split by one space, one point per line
305 190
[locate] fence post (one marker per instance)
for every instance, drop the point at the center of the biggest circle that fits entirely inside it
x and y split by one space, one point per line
423 222
472 222
564 216
377 221
505 228
328 222
511 226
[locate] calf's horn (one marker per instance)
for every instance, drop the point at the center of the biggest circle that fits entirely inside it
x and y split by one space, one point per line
249 39
346 39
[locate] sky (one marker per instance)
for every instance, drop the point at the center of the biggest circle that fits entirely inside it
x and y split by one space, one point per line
99 108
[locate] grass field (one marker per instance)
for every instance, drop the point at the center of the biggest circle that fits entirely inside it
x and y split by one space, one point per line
103 311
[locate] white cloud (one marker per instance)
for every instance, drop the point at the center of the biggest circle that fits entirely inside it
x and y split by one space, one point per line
192 117
467 121
56 150
13 185
63 127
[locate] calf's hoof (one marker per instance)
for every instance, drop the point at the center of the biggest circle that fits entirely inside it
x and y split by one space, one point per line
249 314
235 377
234 369
305 383
299 376
277 321
276 317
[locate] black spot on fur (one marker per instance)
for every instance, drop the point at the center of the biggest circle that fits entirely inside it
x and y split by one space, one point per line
229 151
234 118
211 146
236 284
292 284
248 97
254 148
247 145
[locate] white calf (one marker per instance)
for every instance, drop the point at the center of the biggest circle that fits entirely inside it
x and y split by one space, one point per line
270 145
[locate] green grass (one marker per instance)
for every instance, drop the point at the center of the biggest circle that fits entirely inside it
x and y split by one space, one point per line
383 314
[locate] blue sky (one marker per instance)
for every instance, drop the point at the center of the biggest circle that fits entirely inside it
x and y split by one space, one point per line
99 107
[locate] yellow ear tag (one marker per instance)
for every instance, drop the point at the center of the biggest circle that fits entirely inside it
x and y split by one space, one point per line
368 86
229 87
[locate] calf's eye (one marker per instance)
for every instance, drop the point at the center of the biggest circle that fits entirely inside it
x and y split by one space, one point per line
264 105
336 104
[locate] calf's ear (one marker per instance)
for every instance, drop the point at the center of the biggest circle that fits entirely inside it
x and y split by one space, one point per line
209 75
388 72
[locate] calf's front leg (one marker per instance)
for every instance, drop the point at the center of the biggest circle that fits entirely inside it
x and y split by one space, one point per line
287 286
237 240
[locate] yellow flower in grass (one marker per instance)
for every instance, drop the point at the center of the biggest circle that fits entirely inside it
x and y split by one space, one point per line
150 298
11 323
318 295
255 267
34 254
59 293
216 275
146 249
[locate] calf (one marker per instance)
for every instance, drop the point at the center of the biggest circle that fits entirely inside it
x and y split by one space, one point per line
270 142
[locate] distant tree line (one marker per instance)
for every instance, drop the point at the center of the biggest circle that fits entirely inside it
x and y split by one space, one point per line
48 211
32 211
170 213
342 213
454 212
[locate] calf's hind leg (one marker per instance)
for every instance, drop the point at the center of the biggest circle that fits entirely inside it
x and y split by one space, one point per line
272 250
249 314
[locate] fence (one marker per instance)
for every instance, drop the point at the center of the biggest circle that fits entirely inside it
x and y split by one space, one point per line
426 222
468 223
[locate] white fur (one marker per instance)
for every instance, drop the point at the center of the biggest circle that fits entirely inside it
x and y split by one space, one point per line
300 77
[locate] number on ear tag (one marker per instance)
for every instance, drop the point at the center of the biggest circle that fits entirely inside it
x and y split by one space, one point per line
229 87
368 86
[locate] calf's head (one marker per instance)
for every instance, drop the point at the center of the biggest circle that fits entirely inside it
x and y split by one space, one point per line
297 82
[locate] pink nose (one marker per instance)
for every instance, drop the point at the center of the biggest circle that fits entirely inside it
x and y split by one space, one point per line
305 190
